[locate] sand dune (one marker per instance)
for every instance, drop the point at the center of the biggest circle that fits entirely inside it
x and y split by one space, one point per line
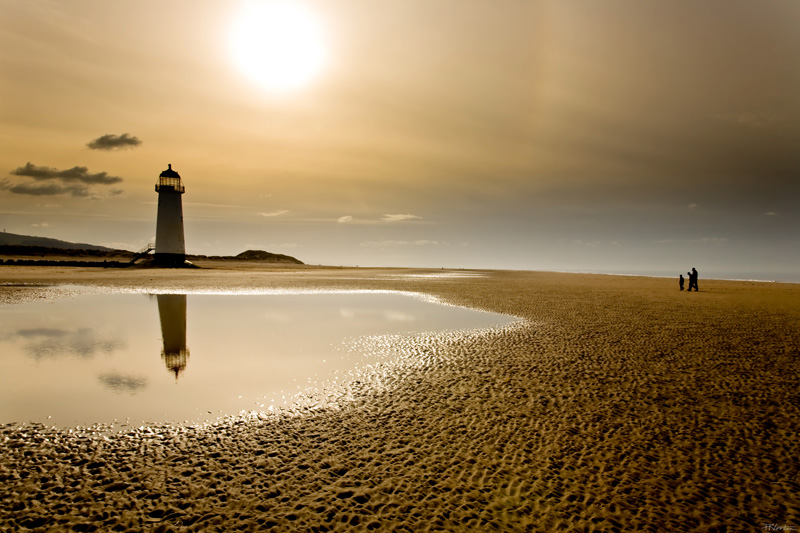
617 404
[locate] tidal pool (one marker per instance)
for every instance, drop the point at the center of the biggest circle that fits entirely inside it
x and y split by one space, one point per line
134 359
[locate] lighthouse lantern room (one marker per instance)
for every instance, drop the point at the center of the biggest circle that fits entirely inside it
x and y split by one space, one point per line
170 245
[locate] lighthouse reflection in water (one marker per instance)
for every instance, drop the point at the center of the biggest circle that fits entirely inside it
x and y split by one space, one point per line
110 358
172 312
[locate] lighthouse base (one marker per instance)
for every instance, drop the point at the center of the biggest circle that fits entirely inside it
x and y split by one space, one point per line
169 260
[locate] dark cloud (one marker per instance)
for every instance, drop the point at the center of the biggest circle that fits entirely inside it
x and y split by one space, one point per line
110 141
46 343
122 383
75 181
42 332
50 189
80 174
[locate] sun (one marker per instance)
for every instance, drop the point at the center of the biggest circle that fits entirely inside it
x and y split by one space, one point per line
278 44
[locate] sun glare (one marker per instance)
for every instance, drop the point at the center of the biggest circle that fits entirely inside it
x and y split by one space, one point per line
278 44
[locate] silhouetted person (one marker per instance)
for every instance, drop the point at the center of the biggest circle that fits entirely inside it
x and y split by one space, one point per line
680 281
693 280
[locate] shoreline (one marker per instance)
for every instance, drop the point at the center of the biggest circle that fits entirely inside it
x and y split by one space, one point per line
615 406
56 261
665 276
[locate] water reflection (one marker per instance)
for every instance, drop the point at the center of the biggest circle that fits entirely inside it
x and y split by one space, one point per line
82 342
172 312
122 383
94 357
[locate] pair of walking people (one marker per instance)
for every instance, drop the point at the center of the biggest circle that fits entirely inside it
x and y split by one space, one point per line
692 280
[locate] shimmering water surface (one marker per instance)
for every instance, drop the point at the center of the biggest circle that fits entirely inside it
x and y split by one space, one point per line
136 358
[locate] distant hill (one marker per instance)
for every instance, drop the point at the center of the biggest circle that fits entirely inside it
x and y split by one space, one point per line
12 239
252 255
261 255
12 244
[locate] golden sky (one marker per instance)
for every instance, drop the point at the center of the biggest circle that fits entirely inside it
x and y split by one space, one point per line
600 136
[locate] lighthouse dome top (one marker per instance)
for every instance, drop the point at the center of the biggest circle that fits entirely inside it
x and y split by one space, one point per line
169 173
169 181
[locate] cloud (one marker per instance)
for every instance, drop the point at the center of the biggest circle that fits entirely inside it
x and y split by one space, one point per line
771 214
74 174
348 219
114 142
41 332
400 218
692 206
53 343
390 244
50 189
46 181
275 213
122 383
588 244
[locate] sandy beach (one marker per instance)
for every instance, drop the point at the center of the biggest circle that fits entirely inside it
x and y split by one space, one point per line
616 404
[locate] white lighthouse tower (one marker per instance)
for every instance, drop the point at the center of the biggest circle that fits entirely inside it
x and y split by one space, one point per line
170 246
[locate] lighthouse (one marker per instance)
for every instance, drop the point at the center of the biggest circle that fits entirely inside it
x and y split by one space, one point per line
170 246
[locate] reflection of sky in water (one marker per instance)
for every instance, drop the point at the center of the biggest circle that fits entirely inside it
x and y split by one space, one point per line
439 275
82 342
122 383
101 357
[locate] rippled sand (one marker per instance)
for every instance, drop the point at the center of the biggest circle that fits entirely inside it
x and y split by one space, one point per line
618 404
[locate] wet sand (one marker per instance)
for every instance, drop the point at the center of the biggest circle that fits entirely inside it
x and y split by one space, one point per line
616 404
